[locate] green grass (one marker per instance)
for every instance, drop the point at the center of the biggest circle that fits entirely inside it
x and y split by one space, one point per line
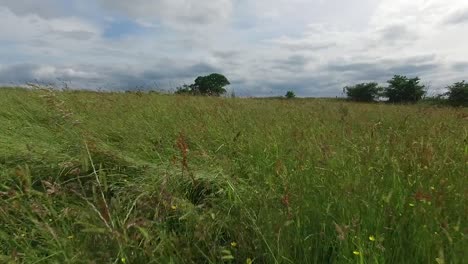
144 178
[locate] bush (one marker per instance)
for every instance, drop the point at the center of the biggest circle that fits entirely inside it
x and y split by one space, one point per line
363 92
458 94
403 89
290 95
185 89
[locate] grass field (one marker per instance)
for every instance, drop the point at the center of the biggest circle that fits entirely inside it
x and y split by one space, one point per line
91 177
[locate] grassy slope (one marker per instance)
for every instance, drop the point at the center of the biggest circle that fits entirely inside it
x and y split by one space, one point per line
125 178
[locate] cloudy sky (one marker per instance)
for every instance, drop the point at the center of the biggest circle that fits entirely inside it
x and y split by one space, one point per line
264 47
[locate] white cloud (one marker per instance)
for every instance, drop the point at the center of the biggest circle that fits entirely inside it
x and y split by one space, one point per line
31 26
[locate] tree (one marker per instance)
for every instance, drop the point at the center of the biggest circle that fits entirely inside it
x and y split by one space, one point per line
212 84
363 92
458 94
402 89
290 95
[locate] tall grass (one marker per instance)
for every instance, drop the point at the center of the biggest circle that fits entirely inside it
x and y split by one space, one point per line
144 178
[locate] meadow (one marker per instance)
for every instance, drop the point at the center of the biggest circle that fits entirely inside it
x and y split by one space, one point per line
88 177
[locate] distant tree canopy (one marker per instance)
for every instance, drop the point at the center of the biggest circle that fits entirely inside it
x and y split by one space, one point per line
211 85
458 94
363 92
290 95
402 89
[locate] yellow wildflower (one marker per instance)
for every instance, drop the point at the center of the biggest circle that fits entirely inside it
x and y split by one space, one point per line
357 253
233 244
372 238
173 207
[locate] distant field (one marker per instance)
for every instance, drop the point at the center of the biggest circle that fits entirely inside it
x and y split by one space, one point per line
125 178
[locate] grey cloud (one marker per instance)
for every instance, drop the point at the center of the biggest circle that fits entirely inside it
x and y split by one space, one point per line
74 34
460 67
317 85
427 58
351 67
305 46
161 77
27 72
457 17
39 43
20 73
382 70
171 71
200 69
294 63
296 60
44 74
225 54
359 72
117 79
42 8
114 78
185 13
395 33
408 69
109 78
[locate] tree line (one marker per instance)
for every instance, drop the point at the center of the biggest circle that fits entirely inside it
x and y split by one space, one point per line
402 89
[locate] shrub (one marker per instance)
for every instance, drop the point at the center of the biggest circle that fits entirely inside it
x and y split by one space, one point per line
185 89
458 94
363 92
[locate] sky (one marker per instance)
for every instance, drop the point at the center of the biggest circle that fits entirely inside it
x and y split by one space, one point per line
264 47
